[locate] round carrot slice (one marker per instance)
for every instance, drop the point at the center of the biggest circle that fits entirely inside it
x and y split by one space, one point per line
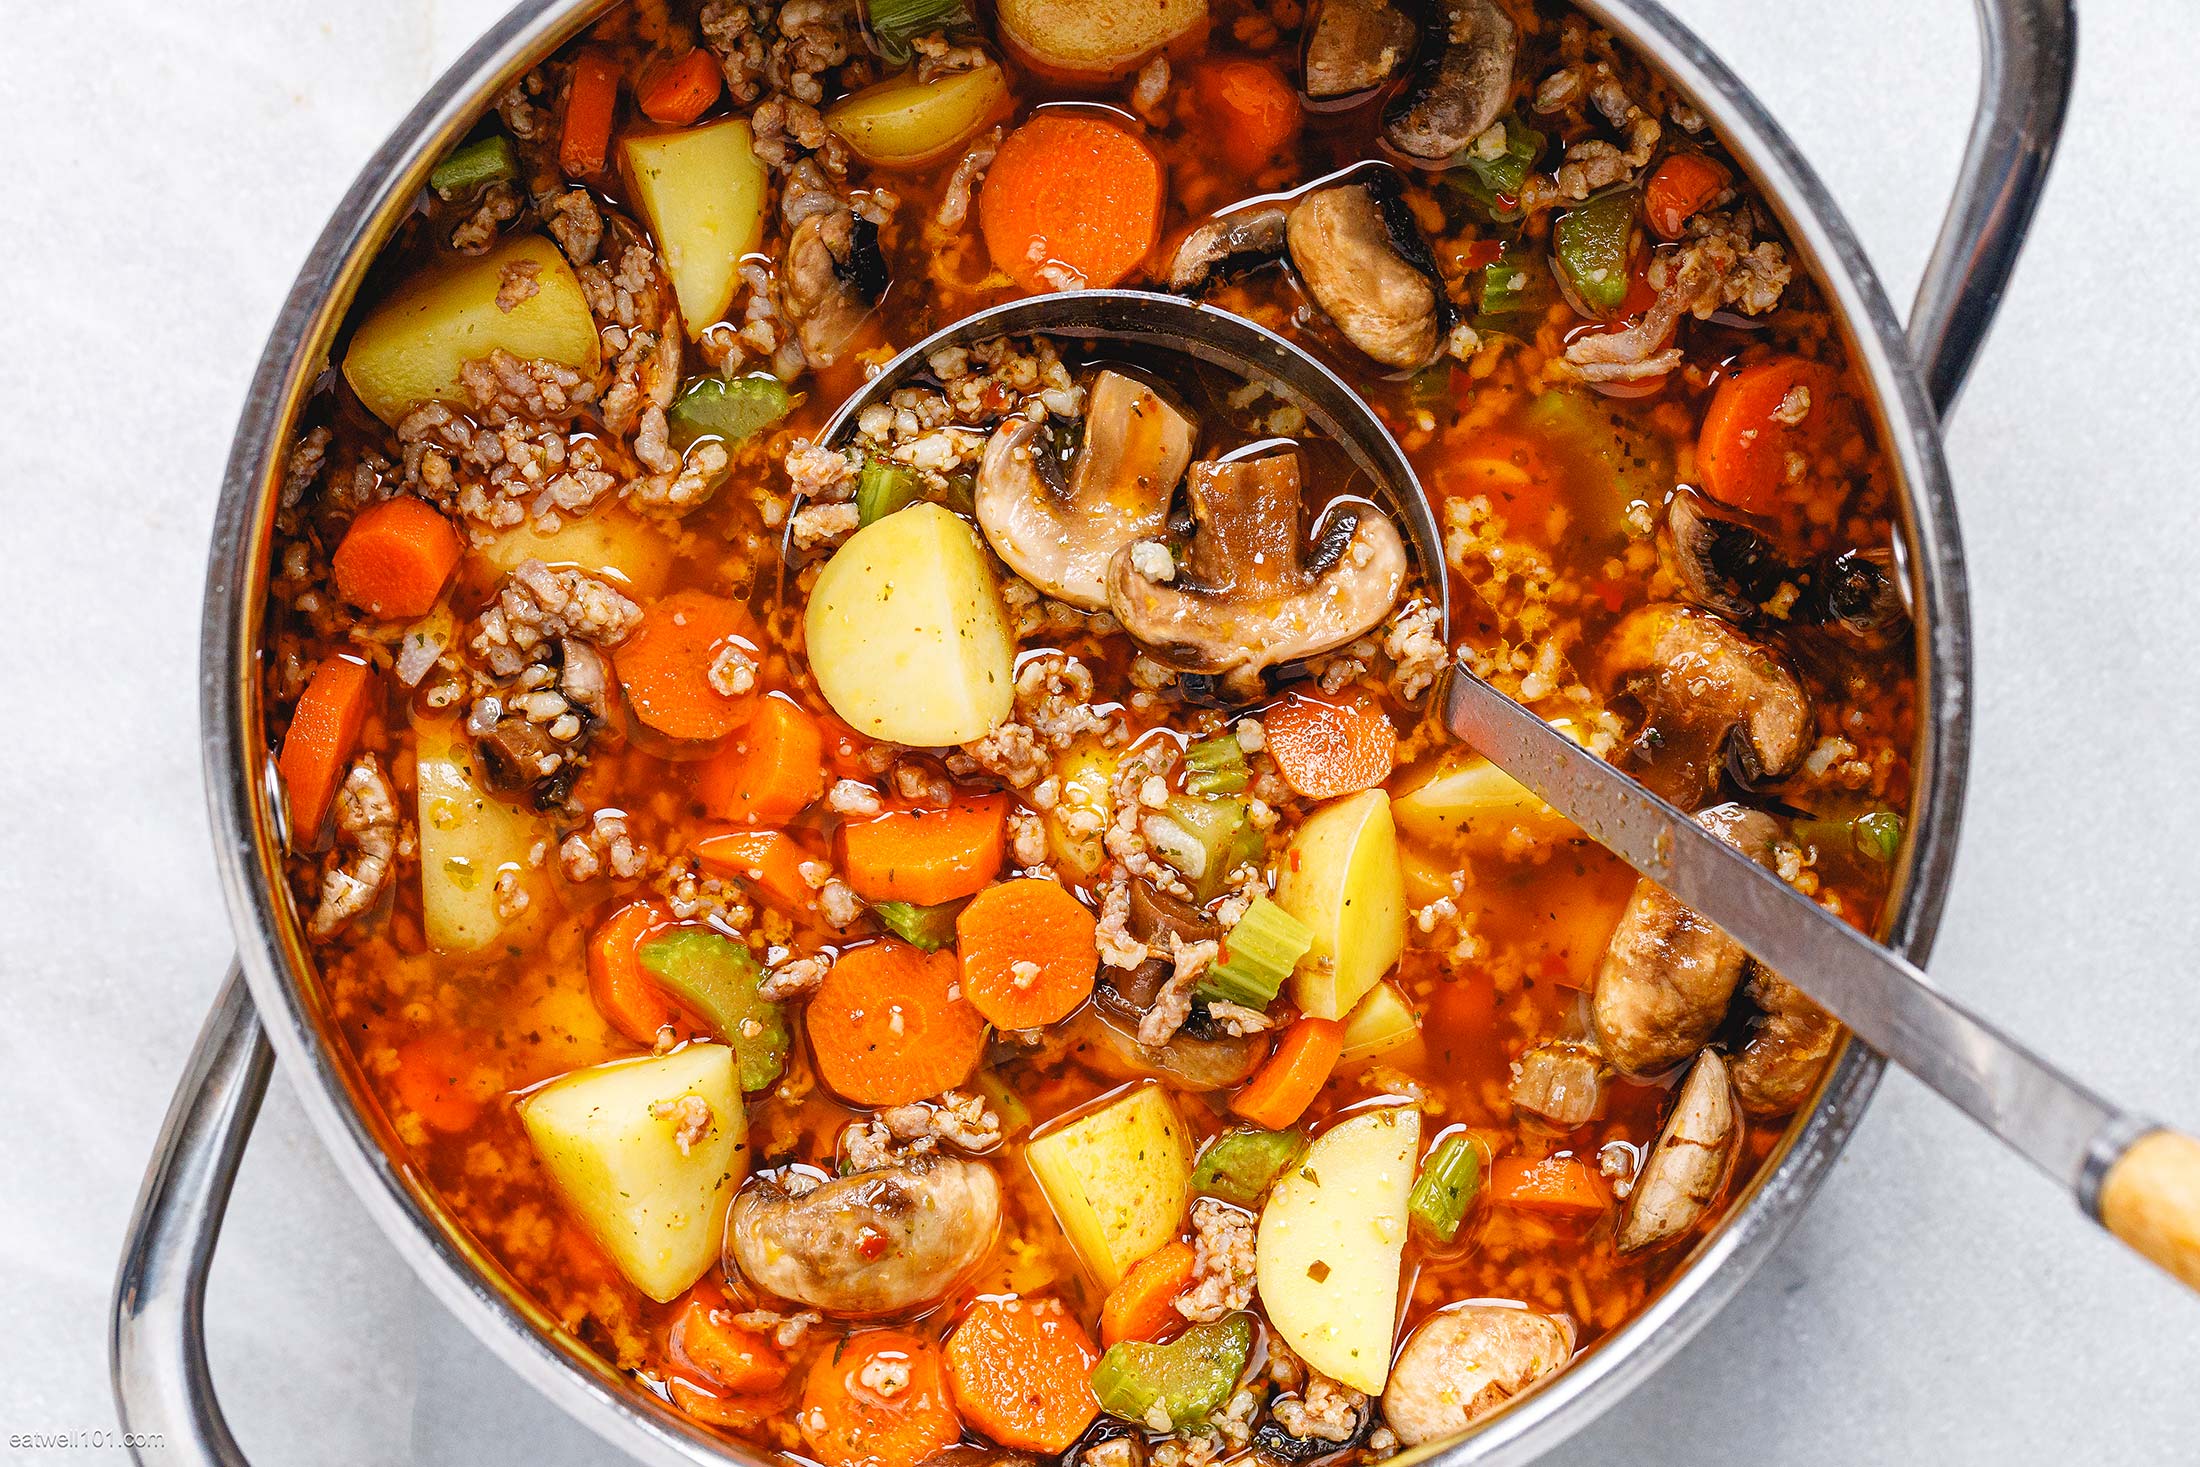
1020 1370
890 1025
665 665
880 1400
1070 202
1757 418
1028 952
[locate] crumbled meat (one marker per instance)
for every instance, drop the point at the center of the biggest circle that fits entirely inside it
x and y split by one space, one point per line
1223 1262
1328 1410
695 1118
954 205
604 846
786 1330
517 284
884 1374
1150 93
1011 753
852 797
1118 949
497 206
1173 1004
535 604
504 389
1415 648
1027 837
574 222
817 526
732 671
794 978
1236 1020
366 821
1054 698
838 904
956 1118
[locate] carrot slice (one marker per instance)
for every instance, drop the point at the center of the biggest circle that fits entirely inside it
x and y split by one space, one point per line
1028 952
1742 452
849 1421
1554 1184
767 772
1285 1086
1019 1370
1323 750
622 988
324 729
584 141
731 1356
675 90
890 1025
925 856
1250 111
1143 1305
770 861
395 557
1683 185
1070 195
437 1080
665 665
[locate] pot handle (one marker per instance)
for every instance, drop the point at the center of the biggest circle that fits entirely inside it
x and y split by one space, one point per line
157 1348
2027 50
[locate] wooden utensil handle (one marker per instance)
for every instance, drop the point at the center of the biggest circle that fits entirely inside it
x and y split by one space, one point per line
2151 1199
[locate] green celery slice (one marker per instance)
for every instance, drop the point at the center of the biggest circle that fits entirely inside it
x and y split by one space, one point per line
1240 1166
1216 766
882 488
1449 1180
730 411
1189 1377
715 978
895 23
930 928
1593 245
1257 955
480 163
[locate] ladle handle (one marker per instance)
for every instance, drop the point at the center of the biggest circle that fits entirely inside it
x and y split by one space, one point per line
2027 51
164 1391
2150 1198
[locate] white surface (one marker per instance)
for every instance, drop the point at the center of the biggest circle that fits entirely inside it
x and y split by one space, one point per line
169 168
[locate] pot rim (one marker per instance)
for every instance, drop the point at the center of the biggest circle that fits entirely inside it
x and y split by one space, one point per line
243 800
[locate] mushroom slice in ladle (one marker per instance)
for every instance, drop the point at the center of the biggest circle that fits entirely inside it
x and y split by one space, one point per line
1461 87
1688 1163
1354 46
1245 597
1363 260
1060 537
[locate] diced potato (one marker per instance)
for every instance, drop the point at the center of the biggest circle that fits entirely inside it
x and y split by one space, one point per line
1087 773
1118 1178
410 347
610 1138
703 191
1329 1244
1097 40
1382 1024
1429 877
468 838
902 122
620 547
907 633
1470 804
1342 878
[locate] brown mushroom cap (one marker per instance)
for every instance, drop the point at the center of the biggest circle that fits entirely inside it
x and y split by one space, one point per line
1461 87
1353 46
1711 694
1244 599
1061 537
1689 1161
1223 246
1362 258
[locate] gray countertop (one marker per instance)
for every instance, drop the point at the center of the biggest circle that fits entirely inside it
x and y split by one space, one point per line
1938 1303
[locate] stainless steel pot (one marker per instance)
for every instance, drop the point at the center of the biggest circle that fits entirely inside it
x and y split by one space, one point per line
162 1385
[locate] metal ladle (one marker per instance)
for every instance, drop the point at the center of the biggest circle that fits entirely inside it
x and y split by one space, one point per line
2135 1177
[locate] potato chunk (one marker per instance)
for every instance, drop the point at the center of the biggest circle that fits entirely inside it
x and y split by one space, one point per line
1118 1178
647 1153
907 633
902 122
470 841
1330 1242
1097 40
410 348
703 191
1342 878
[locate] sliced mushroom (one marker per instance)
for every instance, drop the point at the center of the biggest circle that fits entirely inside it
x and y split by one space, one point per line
1461 86
1467 1361
1668 975
1783 1060
1354 46
1223 247
1727 564
1362 259
875 1243
1154 918
1246 596
1060 537
515 753
834 273
1711 695
1688 1163
1857 591
1560 1081
1198 1062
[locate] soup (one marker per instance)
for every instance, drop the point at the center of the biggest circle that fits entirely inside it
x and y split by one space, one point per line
967 942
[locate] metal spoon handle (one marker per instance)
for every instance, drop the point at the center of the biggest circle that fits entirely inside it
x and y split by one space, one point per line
2141 1182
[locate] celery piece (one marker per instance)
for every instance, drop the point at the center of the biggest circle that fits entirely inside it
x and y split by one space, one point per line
1619 461
1515 291
1257 956
1449 1180
728 410
1495 183
1215 766
930 928
1189 1377
1878 835
480 163
1203 839
882 488
1593 244
715 978
895 23
1240 1166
